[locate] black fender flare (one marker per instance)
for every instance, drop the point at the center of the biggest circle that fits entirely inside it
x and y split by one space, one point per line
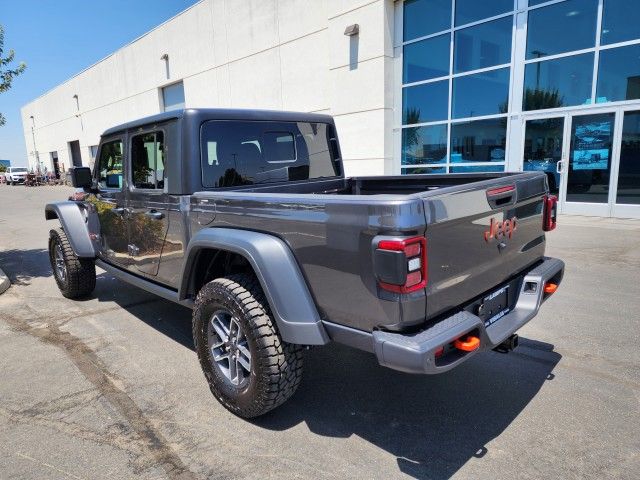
74 223
277 270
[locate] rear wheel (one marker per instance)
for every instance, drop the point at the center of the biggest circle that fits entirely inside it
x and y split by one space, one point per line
76 277
249 368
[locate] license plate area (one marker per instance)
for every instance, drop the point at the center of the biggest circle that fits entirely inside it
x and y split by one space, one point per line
494 306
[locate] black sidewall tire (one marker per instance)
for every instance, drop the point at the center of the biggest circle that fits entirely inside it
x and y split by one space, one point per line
222 388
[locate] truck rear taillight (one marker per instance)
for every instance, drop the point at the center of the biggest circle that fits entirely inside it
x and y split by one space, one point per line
401 265
549 212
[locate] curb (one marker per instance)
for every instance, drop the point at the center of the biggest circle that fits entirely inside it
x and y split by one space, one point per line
4 282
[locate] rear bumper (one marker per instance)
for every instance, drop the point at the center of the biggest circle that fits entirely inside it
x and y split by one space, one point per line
416 353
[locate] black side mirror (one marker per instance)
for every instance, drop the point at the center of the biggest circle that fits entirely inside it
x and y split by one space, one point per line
81 177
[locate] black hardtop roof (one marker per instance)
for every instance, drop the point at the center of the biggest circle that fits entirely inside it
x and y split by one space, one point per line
199 115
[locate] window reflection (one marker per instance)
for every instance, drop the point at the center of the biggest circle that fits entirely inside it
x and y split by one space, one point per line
468 11
426 59
483 45
479 141
424 17
480 94
620 21
424 145
425 103
562 27
558 83
543 148
590 158
629 174
423 170
619 74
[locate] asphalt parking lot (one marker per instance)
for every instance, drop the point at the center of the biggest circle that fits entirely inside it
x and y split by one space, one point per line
110 387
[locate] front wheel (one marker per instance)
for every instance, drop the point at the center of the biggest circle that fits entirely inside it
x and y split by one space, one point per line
249 368
76 277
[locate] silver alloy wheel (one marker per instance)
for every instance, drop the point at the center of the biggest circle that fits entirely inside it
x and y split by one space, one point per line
229 348
61 268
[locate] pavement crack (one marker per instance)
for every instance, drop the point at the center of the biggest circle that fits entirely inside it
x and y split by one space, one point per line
155 447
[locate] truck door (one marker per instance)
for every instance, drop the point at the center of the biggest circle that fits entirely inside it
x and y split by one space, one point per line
110 200
148 203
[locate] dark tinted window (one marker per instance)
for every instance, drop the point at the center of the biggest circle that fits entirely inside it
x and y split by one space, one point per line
481 94
629 176
562 27
109 166
246 153
558 83
619 74
147 160
479 141
468 11
426 59
483 45
620 20
425 103
424 17
424 145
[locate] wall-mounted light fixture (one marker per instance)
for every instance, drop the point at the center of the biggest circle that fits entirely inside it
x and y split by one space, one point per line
165 57
352 30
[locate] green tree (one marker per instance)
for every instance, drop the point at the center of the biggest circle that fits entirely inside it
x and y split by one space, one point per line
7 73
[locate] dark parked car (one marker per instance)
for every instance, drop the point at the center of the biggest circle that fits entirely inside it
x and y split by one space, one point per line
246 217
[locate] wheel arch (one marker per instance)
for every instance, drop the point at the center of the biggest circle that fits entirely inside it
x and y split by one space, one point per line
74 223
274 265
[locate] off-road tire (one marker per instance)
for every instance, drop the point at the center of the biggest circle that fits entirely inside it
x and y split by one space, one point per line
80 279
276 366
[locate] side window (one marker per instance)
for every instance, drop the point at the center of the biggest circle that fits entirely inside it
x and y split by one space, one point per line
147 160
110 165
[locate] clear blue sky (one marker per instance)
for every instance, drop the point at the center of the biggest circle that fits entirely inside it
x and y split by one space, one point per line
57 39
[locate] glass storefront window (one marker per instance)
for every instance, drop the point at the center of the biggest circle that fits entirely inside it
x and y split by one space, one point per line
468 11
558 83
619 74
543 148
561 27
424 17
485 93
477 168
426 59
483 45
629 172
479 141
620 21
423 170
427 102
423 145
590 158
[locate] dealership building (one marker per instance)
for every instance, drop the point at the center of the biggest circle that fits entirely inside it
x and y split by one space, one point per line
415 86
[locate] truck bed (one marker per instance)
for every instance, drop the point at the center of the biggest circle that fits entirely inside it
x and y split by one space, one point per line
330 225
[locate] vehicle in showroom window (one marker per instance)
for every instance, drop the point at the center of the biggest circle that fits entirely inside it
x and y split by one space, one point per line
247 218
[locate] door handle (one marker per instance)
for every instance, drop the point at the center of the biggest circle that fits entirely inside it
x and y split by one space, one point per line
559 167
119 210
155 215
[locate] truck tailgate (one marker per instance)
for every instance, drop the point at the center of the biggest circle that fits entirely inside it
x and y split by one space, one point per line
480 235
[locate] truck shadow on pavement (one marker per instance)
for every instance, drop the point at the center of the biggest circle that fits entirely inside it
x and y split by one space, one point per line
22 266
433 425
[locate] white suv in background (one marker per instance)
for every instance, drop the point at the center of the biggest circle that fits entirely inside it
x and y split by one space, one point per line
15 175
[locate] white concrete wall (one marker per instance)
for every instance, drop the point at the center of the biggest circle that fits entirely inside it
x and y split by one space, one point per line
276 54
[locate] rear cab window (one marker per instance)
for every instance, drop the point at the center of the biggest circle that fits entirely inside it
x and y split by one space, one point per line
236 153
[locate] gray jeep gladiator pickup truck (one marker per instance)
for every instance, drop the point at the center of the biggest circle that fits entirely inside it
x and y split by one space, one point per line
247 218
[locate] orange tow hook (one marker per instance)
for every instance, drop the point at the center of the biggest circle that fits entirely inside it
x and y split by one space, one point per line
469 343
550 288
